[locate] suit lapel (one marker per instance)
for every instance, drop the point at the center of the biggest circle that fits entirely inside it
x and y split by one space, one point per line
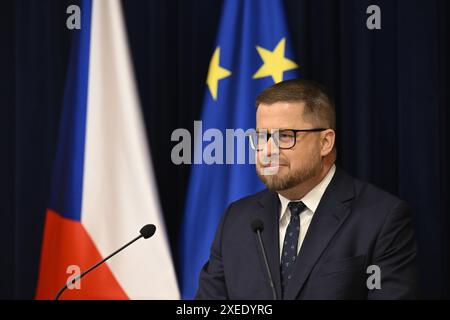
329 216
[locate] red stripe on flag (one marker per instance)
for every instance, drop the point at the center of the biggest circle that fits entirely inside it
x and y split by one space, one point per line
66 243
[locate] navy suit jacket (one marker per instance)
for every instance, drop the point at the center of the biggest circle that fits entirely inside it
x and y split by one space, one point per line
355 225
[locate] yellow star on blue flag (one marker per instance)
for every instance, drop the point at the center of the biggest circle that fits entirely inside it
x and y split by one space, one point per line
216 73
275 62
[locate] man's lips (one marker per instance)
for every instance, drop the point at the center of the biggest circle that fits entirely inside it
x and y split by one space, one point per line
273 165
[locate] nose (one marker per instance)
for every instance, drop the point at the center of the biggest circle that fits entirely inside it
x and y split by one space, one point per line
271 148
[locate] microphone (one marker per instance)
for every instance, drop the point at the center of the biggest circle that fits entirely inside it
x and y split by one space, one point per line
257 227
146 232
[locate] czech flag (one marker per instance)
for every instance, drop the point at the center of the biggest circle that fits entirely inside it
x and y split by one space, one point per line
103 188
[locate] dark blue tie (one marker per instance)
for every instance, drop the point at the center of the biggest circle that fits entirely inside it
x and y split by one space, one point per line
289 253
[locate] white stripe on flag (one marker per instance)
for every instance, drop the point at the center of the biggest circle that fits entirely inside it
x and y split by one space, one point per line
119 192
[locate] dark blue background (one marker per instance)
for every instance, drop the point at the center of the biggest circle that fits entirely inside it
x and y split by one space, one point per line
390 85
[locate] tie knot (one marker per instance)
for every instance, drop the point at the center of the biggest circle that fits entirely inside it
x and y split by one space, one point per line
296 208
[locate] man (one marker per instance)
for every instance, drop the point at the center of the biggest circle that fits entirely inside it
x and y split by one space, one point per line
325 233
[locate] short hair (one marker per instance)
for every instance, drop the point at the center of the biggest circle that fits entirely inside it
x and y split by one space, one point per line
319 107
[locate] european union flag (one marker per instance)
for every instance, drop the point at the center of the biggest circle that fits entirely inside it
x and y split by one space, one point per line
252 53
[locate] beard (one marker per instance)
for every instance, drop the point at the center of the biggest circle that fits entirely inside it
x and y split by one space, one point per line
280 182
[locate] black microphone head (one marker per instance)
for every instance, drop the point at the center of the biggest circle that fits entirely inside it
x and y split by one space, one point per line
257 225
148 230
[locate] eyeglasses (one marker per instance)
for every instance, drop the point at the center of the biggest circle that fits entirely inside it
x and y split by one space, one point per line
283 138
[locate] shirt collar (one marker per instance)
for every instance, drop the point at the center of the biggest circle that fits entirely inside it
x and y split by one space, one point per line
313 197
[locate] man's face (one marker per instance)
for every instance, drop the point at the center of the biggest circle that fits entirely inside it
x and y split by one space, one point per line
296 165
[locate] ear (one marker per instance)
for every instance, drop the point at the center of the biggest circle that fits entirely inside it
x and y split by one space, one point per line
327 140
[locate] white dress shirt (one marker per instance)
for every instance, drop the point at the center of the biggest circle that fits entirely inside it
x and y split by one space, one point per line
311 201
